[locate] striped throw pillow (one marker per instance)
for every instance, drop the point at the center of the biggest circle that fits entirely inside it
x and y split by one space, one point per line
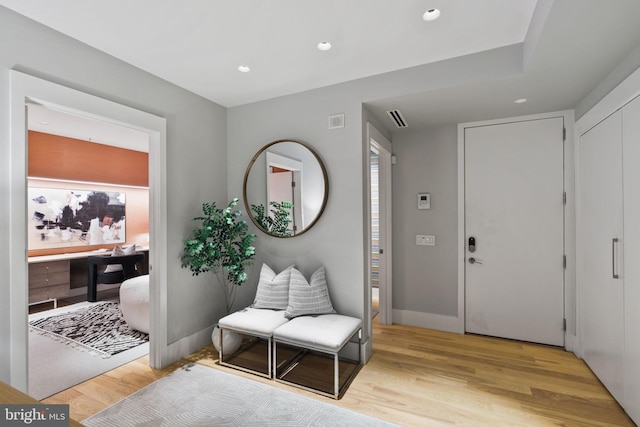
308 298
273 289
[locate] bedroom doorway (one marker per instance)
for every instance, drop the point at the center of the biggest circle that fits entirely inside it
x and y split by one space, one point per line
27 89
380 242
374 163
87 182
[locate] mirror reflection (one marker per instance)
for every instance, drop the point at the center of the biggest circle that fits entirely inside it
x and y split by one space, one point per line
285 188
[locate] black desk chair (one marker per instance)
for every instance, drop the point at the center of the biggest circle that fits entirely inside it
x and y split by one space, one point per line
96 275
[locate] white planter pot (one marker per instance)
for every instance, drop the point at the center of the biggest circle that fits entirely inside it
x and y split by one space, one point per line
231 341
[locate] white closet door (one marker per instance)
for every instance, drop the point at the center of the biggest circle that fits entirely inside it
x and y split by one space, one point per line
631 168
599 252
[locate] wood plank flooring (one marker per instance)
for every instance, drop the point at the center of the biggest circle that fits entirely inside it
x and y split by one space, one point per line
420 377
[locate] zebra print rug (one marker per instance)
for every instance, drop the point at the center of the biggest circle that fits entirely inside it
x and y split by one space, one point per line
98 329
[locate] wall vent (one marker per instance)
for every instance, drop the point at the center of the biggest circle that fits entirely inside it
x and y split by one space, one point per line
336 122
397 118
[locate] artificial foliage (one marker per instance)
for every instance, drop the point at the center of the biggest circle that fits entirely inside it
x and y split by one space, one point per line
222 245
277 222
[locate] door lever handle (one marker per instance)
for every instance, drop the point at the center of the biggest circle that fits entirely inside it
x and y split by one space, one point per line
473 260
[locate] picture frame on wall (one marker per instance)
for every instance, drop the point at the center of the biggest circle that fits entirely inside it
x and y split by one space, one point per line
60 217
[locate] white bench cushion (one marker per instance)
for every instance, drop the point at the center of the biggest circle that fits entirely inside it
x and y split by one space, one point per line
254 321
327 332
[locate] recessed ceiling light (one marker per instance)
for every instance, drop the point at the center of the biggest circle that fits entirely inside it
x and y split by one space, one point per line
520 101
324 45
431 15
244 69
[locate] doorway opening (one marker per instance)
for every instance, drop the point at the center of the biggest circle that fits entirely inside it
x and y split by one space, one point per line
88 195
284 191
26 90
374 163
380 250
374 160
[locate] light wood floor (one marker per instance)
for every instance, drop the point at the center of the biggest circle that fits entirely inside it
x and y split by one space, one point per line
419 377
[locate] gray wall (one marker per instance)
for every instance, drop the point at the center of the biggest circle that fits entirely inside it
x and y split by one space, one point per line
621 71
196 153
336 240
5 209
425 278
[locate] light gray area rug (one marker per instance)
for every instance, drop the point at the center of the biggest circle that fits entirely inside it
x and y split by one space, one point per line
197 395
55 366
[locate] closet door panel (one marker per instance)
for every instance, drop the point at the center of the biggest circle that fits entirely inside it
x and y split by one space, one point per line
599 253
631 168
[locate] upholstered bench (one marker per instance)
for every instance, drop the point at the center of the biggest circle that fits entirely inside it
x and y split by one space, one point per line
297 315
326 334
253 322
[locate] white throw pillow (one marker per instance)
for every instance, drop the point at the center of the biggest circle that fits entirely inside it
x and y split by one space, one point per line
308 298
118 251
273 289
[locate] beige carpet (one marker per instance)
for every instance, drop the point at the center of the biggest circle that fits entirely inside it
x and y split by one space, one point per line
197 395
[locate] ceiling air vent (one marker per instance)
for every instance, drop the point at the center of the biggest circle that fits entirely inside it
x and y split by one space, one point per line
397 118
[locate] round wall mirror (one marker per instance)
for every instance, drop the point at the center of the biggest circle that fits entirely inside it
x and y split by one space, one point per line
285 188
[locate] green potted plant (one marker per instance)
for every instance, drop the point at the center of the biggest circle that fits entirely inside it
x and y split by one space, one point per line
276 223
220 244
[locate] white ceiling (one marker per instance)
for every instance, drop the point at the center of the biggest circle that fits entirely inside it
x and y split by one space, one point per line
48 120
581 42
199 44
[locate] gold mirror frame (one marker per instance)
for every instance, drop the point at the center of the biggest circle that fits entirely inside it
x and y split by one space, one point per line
325 183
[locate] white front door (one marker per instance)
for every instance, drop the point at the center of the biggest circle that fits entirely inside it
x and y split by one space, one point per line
514 213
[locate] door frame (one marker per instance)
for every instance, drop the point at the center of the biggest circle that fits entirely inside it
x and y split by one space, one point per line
376 139
297 168
569 218
26 88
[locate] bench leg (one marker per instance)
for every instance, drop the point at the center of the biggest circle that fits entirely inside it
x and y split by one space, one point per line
220 357
336 376
270 357
274 367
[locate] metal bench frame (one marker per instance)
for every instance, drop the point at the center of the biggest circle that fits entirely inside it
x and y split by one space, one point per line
289 365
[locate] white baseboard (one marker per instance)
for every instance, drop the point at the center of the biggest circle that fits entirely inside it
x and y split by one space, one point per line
367 351
438 322
570 342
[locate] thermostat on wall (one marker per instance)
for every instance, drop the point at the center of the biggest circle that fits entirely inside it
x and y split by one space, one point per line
424 201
